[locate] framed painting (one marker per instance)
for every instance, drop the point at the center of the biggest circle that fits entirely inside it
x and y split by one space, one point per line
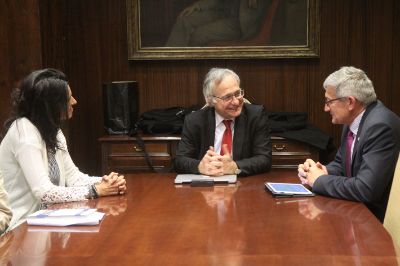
204 29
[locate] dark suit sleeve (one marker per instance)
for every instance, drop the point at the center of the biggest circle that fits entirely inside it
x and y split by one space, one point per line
335 167
261 150
378 158
186 160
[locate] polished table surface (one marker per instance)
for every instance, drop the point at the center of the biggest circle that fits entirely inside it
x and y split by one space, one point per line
157 223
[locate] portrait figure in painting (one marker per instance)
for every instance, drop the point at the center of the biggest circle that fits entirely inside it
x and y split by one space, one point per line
209 23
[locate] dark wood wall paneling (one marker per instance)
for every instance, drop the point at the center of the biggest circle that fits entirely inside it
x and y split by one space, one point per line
87 39
20 46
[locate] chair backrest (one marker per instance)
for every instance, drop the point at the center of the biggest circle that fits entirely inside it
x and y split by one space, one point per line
392 216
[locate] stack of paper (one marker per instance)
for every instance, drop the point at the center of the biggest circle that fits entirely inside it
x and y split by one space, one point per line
65 217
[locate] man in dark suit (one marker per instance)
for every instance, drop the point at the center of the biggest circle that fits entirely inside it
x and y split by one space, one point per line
227 136
364 164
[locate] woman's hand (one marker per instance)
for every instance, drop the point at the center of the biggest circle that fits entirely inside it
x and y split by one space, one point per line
112 184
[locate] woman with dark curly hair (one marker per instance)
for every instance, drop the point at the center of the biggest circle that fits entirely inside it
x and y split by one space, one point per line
34 159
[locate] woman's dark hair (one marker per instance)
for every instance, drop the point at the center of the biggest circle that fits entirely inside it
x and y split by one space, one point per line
42 97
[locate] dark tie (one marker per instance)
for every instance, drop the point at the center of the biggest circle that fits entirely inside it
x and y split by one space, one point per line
227 137
349 142
54 171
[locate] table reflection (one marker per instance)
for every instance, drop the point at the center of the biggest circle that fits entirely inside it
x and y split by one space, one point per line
27 248
227 242
30 245
220 198
351 221
314 208
6 241
109 205
112 205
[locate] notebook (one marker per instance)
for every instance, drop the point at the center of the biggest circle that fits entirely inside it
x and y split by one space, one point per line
204 179
288 190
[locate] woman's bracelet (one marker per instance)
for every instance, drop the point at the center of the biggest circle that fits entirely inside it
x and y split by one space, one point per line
93 192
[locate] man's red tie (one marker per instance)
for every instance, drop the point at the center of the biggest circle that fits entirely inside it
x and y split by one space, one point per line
349 142
227 137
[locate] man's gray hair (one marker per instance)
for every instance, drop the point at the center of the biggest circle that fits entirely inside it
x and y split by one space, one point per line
213 79
351 81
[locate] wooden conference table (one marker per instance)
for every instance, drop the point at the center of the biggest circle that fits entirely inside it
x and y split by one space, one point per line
157 223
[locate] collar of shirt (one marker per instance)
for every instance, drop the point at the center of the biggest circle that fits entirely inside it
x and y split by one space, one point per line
354 128
356 123
219 121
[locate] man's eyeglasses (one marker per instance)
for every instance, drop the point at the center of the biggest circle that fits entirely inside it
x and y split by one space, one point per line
328 102
229 97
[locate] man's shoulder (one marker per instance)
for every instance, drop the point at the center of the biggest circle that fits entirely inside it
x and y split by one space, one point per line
380 116
379 113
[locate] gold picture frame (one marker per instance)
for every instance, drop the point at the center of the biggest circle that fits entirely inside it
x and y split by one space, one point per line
286 29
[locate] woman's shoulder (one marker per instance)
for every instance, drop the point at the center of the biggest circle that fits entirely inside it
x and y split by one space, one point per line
23 124
24 130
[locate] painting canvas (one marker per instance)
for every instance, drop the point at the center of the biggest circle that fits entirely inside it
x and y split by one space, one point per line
201 29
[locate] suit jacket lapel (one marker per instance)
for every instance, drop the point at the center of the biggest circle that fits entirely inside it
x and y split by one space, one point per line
360 132
360 136
210 133
343 148
240 132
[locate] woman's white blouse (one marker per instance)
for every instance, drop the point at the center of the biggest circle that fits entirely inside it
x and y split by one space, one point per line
24 166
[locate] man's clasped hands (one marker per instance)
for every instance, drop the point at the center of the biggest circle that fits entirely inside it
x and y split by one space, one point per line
214 164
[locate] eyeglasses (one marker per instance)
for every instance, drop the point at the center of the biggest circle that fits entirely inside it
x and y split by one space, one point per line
328 102
229 97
